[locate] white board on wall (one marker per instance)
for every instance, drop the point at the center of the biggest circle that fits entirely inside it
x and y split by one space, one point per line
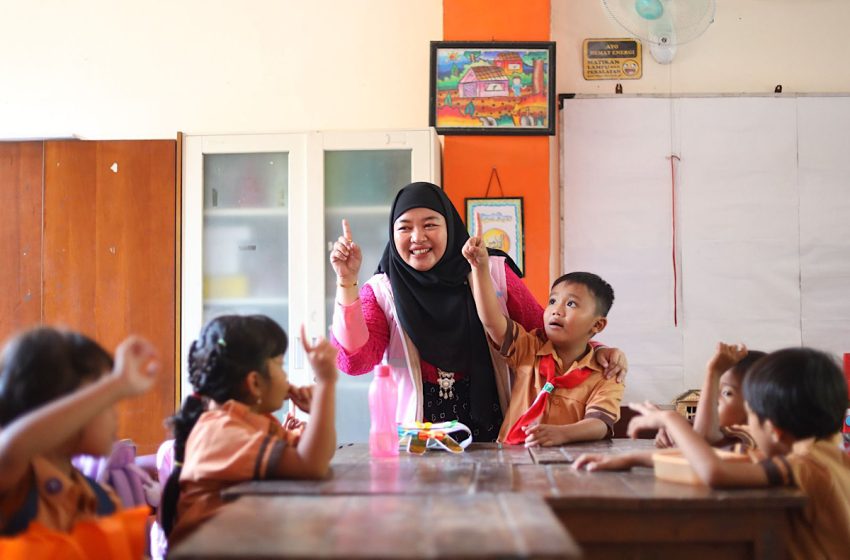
756 260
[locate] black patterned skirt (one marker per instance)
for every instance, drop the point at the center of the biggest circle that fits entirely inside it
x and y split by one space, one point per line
436 409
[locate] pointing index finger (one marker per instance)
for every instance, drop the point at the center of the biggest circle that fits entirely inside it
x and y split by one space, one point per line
478 227
346 230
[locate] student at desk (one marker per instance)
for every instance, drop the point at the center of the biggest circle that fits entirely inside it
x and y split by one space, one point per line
559 395
796 399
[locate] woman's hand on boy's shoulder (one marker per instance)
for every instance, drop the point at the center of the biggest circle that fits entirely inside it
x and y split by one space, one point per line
613 363
322 357
136 365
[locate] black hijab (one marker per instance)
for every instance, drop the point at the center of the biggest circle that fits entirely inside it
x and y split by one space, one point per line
436 307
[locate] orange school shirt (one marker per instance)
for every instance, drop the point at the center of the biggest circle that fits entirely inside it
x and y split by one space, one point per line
821 470
596 397
63 498
229 444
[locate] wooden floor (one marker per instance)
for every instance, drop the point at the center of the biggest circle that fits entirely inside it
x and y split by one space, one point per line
485 497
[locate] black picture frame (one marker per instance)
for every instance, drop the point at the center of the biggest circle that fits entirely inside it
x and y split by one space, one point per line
492 88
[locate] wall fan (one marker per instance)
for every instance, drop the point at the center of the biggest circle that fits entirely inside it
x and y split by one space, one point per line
663 24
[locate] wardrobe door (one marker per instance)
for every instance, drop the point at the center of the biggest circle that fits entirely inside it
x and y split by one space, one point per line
109 257
20 229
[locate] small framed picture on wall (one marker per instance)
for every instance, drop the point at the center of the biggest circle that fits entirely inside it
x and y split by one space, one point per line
492 88
502 225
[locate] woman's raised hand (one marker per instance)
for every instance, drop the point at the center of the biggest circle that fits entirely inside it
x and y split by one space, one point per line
346 256
474 249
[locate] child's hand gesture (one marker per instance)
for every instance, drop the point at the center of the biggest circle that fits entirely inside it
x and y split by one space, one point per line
602 462
543 435
322 357
346 256
726 356
301 397
651 418
136 365
474 249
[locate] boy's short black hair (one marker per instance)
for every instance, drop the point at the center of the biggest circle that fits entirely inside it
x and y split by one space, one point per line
800 390
599 289
741 368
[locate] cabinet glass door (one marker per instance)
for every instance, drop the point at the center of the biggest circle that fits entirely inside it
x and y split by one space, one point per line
362 174
238 191
246 235
360 187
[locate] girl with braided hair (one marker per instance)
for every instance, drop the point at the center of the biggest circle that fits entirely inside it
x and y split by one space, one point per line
225 433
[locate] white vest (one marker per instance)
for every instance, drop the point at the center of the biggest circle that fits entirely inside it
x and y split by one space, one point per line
403 357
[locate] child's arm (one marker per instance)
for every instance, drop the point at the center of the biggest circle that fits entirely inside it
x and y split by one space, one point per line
706 422
51 425
483 291
705 462
545 435
312 457
613 462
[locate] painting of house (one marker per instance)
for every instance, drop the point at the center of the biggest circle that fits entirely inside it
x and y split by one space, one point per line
483 81
509 62
686 404
492 88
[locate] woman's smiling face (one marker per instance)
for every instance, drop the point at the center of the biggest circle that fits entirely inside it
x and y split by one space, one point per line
420 236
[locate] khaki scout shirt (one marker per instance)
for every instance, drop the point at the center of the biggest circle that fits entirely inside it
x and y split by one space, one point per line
596 397
821 470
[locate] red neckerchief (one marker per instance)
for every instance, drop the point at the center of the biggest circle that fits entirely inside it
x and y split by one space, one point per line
569 380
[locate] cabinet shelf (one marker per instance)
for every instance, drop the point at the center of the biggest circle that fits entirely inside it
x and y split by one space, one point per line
358 210
244 212
248 301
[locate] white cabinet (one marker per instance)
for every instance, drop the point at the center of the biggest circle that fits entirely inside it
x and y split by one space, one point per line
259 214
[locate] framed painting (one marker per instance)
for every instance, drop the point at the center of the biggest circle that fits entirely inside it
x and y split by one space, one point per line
492 88
502 225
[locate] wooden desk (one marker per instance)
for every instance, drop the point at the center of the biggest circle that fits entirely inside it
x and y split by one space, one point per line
481 468
611 515
433 526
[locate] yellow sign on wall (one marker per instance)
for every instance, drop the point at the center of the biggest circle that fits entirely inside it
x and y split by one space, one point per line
612 59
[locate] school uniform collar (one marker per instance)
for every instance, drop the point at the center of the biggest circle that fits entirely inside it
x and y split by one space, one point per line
588 360
805 446
63 491
243 411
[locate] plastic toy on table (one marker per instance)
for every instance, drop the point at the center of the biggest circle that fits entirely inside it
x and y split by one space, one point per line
417 437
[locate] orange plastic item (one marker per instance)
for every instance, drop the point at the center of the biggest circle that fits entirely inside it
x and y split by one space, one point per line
120 536
671 465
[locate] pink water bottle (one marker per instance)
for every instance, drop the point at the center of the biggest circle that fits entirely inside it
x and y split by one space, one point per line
383 396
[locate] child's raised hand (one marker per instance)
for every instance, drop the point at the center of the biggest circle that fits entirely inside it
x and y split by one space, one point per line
474 249
726 356
651 418
322 357
346 256
136 365
301 397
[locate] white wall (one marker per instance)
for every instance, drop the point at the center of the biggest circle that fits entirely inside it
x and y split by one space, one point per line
752 46
103 69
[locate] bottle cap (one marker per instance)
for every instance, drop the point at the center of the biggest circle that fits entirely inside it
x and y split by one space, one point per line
382 370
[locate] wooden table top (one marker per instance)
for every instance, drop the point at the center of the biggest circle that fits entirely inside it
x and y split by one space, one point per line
432 526
484 468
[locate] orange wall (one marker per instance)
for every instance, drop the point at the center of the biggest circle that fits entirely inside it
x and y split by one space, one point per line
522 161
